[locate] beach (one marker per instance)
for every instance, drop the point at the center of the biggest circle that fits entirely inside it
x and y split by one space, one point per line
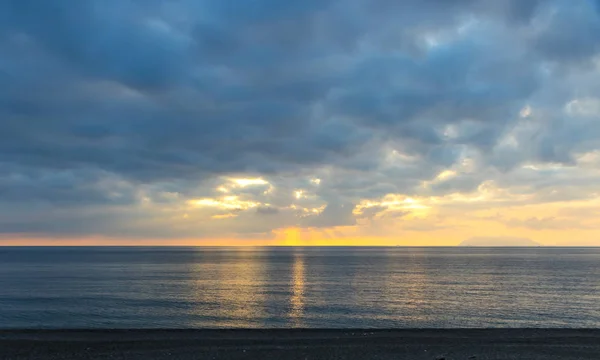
301 344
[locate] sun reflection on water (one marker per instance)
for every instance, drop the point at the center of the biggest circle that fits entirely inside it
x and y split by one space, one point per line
297 290
231 288
406 288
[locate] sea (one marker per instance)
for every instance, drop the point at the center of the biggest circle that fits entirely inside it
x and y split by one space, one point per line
298 287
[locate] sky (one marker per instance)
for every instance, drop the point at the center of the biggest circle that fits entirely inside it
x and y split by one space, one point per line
316 122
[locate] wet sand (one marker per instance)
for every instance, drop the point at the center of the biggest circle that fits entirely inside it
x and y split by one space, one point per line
301 344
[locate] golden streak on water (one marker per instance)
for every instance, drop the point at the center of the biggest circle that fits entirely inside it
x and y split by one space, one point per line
297 298
236 285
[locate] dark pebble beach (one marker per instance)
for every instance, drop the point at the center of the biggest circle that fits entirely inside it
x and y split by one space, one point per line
301 344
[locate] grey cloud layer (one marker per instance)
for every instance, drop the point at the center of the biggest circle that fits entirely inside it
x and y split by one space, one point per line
99 98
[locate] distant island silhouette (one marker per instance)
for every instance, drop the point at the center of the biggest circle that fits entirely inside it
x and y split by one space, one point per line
498 241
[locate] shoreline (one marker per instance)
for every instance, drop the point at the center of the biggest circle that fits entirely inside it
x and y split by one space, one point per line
284 344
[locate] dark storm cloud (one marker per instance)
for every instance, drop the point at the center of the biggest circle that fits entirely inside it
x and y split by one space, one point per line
101 97
213 123
106 39
65 188
571 33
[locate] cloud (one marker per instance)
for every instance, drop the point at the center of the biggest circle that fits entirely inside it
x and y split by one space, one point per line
266 210
543 223
568 33
499 241
121 114
333 215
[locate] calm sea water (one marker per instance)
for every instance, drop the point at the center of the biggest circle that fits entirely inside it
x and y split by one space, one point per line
299 287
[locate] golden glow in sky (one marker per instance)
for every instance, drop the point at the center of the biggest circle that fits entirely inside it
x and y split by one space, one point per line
394 219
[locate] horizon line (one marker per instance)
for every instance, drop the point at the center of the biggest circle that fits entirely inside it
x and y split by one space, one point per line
313 246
